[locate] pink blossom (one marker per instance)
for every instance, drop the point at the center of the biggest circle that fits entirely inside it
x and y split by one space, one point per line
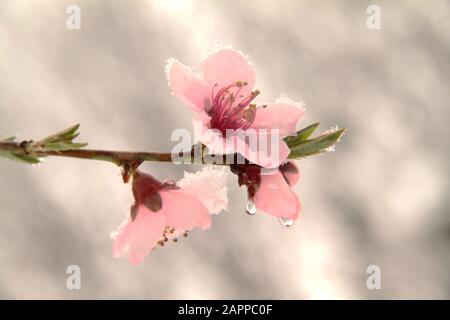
161 211
271 193
222 96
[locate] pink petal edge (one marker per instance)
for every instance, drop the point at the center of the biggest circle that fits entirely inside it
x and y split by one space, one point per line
280 116
226 66
275 197
187 86
145 231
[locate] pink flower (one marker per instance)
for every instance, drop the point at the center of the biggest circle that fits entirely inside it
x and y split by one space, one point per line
161 211
222 97
271 192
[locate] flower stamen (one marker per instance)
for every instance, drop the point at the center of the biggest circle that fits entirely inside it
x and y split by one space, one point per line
231 110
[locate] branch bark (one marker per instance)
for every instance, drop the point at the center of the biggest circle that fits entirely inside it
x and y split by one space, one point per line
119 158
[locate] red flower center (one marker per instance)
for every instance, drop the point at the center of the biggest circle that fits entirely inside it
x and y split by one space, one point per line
230 109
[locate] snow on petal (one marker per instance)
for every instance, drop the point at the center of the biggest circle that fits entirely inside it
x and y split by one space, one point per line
209 186
121 239
183 211
187 86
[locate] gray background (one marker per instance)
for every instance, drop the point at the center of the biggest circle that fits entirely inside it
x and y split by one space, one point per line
381 198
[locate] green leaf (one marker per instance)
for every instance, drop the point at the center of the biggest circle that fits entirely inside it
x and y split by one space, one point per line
58 142
65 135
301 135
316 145
20 157
26 158
61 141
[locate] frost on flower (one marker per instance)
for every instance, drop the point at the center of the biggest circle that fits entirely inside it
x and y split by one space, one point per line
222 97
333 129
161 211
209 186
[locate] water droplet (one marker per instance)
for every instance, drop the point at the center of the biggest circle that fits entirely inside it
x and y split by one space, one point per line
251 208
285 222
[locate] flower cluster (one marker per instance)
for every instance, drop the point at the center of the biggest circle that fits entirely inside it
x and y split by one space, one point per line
221 95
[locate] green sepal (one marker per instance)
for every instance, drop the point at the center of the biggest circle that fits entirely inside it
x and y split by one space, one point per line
301 135
316 145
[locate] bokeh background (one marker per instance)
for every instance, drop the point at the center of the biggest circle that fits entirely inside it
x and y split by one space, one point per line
381 199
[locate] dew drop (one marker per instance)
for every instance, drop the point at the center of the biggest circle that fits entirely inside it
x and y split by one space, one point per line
285 222
250 209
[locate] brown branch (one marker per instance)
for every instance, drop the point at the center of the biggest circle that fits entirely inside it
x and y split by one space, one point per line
119 158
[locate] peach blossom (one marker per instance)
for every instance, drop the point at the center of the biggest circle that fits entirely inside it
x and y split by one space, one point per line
272 193
161 211
222 96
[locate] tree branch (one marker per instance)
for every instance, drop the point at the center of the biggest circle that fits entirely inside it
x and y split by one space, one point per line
116 157
119 158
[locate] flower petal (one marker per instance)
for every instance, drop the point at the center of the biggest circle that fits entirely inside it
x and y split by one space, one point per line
183 211
145 231
212 138
227 66
121 239
280 115
187 86
275 197
262 147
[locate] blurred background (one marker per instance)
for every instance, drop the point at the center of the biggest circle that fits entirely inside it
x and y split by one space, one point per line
381 199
